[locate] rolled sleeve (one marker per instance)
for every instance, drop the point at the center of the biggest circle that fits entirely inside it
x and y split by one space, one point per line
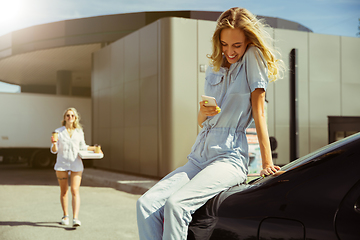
256 69
83 145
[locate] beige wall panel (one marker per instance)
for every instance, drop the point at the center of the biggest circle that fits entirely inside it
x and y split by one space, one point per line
286 40
318 137
117 148
95 140
282 102
149 101
101 69
132 57
271 33
282 136
350 102
117 63
95 114
95 72
131 104
117 106
149 150
179 91
303 103
270 97
324 101
104 141
324 58
304 141
149 50
104 108
105 66
132 149
350 60
204 35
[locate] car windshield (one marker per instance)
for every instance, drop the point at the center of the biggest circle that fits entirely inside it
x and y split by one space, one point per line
309 157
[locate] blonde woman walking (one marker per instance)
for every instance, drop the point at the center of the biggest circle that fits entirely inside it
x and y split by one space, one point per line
69 141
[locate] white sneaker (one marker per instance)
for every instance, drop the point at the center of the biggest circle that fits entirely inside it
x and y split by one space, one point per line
76 222
65 220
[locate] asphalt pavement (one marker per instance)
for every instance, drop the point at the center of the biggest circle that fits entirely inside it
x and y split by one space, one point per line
30 207
120 181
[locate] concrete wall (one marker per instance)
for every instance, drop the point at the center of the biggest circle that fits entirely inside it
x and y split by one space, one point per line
125 102
178 94
328 85
146 87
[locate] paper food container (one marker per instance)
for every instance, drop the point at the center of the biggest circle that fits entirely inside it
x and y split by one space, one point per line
90 155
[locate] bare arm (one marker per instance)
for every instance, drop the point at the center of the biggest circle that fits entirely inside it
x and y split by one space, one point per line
257 103
54 147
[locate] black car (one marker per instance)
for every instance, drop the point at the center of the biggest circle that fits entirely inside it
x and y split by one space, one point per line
314 197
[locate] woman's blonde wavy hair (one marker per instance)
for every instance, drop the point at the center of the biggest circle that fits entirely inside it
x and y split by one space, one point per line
255 34
76 123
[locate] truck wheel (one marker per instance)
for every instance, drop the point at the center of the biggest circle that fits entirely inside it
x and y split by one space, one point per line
43 159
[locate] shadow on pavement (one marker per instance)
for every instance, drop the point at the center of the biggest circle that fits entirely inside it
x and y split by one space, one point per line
22 174
36 224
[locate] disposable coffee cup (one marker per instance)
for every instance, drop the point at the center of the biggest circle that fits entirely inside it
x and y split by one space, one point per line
55 136
97 148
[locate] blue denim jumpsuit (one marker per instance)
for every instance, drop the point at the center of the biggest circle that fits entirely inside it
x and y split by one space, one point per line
218 159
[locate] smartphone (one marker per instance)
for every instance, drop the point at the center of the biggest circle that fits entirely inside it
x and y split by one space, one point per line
211 101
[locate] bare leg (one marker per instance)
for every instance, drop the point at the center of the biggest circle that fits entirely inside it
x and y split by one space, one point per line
75 186
62 177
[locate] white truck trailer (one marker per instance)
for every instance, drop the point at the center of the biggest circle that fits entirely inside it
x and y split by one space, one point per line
27 121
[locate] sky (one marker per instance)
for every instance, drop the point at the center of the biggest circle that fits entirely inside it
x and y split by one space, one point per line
333 17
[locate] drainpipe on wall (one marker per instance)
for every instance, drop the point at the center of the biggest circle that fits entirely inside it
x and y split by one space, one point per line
294 117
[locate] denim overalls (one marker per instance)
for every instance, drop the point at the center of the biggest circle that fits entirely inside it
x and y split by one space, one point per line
218 159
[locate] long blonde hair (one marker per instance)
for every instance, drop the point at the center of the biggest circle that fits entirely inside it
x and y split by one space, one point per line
255 34
76 123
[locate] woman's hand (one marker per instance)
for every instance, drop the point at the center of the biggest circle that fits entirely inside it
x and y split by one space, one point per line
54 147
53 140
210 110
206 111
270 170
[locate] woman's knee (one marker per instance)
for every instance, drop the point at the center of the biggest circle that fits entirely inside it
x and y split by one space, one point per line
74 191
63 192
